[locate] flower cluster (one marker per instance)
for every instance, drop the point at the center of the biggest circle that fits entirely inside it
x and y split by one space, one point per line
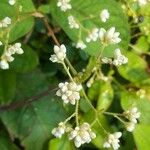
132 115
60 130
104 15
12 2
5 22
109 36
82 134
60 54
72 22
64 5
80 44
118 60
113 141
93 35
142 2
69 92
7 55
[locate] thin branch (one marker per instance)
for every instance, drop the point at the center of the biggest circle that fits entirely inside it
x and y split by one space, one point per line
26 101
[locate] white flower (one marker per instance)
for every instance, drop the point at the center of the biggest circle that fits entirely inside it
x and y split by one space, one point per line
59 131
81 45
119 59
1 43
109 36
7 55
73 23
113 141
5 22
90 82
64 5
106 60
142 2
82 134
132 114
93 35
12 2
60 54
104 15
69 92
130 126
4 64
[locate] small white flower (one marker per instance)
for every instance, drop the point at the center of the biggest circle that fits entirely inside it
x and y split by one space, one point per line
60 54
82 134
119 59
130 126
81 45
106 60
104 15
69 92
109 36
113 141
12 2
7 55
5 22
132 114
90 82
93 35
59 131
4 64
1 43
142 2
73 23
64 5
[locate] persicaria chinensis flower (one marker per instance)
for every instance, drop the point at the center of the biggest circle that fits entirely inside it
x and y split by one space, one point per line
64 5
12 2
60 54
80 45
82 134
104 15
5 22
113 141
73 23
69 92
93 35
109 36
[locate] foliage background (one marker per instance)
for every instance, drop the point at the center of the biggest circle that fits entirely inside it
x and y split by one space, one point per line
29 109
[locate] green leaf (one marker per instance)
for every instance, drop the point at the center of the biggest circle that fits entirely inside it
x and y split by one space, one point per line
44 9
129 100
61 144
87 14
5 142
25 62
105 95
33 123
21 15
135 69
141 136
7 86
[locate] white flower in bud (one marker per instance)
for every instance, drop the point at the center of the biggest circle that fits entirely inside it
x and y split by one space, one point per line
4 64
104 15
59 131
109 36
69 92
1 43
132 114
106 60
80 45
90 82
113 141
93 35
5 22
73 23
64 5
12 2
130 126
119 59
60 54
7 55
82 134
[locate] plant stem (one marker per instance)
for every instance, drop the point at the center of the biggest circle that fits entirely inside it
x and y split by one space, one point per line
70 66
76 112
69 117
